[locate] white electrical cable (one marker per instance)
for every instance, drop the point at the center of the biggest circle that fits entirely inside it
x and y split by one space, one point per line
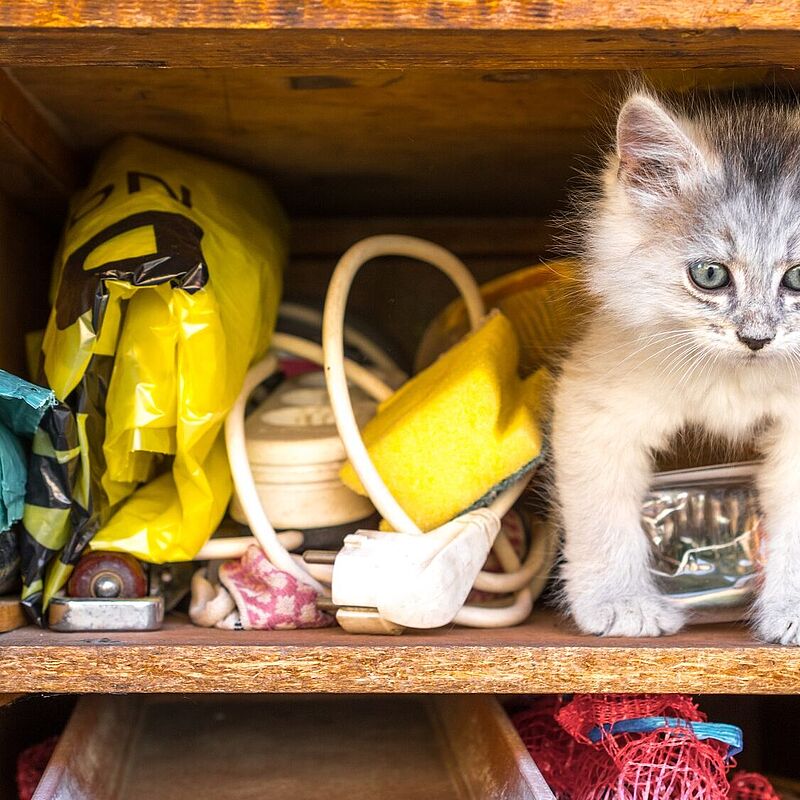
494 582
478 617
333 347
504 502
236 546
322 572
506 582
543 541
246 490
338 371
518 611
355 373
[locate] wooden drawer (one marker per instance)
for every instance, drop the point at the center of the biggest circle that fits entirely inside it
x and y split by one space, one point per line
302 748
460 122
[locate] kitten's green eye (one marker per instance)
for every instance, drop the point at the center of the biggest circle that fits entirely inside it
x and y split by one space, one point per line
791 279
710 275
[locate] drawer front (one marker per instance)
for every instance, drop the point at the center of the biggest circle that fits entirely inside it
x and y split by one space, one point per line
119 748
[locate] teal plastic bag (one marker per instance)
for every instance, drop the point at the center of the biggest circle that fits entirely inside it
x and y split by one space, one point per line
22 409
22 406
13 469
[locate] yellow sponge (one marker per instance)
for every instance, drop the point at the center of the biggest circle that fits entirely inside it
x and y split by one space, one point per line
459 429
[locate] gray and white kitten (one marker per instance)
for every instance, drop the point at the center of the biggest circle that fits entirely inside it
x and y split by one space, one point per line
693 258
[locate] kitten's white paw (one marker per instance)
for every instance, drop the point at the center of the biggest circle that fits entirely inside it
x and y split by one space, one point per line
779 623
648 614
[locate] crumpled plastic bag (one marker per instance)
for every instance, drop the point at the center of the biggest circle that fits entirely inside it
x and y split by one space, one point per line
22 407
168 284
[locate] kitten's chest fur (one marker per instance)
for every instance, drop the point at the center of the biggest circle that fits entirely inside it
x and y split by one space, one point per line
733 402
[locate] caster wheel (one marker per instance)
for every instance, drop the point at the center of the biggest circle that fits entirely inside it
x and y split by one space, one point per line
101 574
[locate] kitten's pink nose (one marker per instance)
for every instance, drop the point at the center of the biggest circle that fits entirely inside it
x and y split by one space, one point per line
754 344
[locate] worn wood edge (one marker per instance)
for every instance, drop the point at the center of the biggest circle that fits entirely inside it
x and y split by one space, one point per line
486 753
493 49
27 134
11 614
407 669
90 757
517 15
787 787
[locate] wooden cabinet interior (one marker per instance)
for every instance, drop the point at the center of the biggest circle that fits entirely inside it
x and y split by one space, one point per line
436 119
370 142
476 158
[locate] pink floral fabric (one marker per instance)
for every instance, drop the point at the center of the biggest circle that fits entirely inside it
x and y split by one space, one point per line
268 598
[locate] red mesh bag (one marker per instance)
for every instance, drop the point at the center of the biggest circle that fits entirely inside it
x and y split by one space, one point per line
31 764
594 776
672 764
669 763
550 746
537 726
587 711
751 786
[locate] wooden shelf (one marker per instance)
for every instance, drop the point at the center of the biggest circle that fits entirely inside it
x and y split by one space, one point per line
403 34
545 655
395 108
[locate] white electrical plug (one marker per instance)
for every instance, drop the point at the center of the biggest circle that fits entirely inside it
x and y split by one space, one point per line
418 580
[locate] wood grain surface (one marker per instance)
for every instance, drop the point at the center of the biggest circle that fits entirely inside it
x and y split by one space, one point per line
7 698
36 168
485 49
90 758
11 615
515 15
358 142
347 142
349 748
488 754
545 655
514 33
26 251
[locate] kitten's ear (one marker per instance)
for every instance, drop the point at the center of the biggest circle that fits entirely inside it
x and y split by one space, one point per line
656 155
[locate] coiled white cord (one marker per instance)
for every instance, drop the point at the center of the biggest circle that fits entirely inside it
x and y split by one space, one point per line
338 370
333 346
269 540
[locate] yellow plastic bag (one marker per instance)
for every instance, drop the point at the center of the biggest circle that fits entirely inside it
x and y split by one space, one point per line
169 279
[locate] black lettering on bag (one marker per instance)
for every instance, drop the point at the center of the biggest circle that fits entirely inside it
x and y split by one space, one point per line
135 185
178 259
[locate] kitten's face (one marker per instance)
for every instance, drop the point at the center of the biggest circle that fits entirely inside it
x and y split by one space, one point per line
698 233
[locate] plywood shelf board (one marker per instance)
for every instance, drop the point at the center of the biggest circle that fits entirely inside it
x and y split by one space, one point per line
596 42
545 655
512 15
